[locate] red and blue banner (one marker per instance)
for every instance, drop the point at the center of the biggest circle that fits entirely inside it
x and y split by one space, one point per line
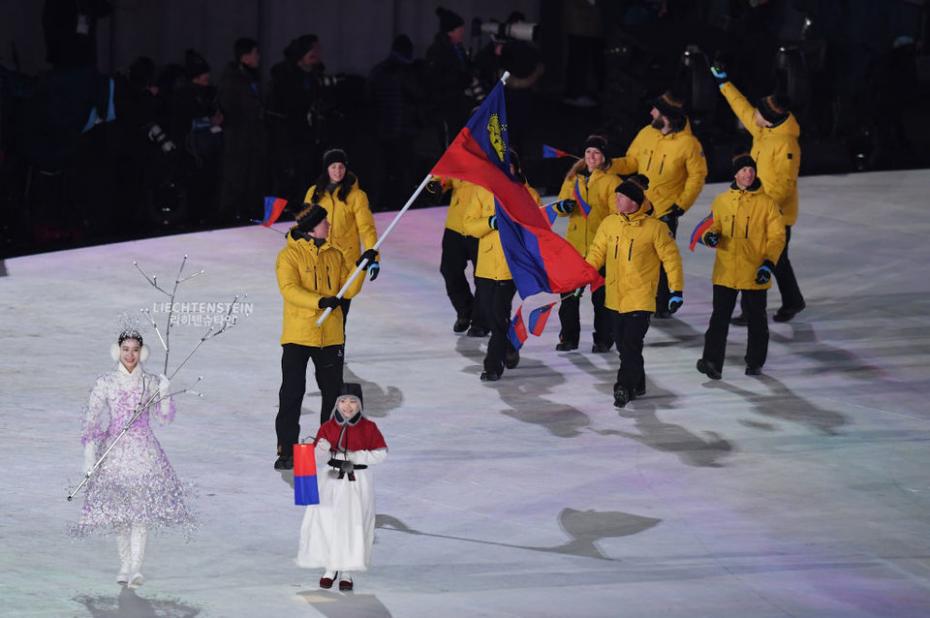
274 206
585 207
539 259
697 236
517 331
306 491
538 318
548 152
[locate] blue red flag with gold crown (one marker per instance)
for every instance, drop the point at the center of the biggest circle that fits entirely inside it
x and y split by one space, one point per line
697 236
539 259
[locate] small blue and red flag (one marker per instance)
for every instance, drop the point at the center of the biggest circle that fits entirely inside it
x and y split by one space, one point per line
585 207
517 331
551 213
539 259
274 206
554 153
538 317
697 236
305 488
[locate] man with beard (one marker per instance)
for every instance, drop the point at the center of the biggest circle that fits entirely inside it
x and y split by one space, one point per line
670 156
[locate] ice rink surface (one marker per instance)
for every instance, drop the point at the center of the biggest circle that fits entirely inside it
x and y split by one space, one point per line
804 492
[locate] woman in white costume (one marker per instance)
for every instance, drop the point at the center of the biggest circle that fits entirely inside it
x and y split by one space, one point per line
337 534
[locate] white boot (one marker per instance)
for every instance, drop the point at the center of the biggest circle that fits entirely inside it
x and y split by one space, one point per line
137 544
125 556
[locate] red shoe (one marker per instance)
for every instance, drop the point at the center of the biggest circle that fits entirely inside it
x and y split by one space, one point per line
345 585
327 582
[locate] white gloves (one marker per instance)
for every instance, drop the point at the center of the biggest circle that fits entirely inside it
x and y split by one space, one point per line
164 385
90 456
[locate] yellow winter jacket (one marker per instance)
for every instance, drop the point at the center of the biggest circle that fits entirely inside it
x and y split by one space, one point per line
632 247
348 220
491 261
598 191
751 231
305 275
463 193
674 164
776 152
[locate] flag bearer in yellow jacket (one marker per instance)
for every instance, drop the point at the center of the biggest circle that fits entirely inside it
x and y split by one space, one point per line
775 148
350 220
595 186
631 245
494 283
310 273
458 248
748 235
668 153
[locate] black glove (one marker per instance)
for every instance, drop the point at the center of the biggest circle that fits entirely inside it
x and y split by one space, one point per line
371 255
565 206
675 301
720 73
492 222
711 239
764 274
434 187
328 302
675 212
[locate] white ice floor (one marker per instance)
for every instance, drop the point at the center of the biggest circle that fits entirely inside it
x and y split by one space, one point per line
801 493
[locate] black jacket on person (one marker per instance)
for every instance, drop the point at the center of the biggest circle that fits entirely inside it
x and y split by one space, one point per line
448 73
295 93
397 91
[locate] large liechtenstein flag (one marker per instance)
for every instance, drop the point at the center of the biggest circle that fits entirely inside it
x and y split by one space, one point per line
539 259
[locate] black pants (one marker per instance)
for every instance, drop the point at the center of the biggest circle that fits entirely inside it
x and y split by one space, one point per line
715 339
327 367
495 298
457 251
784 276
345 303
571 321
662 291
629 333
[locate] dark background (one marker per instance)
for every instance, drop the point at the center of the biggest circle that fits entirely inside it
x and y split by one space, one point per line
857 74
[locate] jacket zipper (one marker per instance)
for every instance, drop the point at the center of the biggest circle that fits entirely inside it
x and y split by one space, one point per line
733 227
629 255
747 227
649 163
616 248
329 284
662 165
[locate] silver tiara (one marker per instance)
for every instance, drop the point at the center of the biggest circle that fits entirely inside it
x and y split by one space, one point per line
129 328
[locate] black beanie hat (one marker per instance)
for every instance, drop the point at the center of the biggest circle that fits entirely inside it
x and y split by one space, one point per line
402 46
142 72
336 155
773 108
310 217
194 64
634 188
741 160
670 105
448 20
596 141
352 389
515 161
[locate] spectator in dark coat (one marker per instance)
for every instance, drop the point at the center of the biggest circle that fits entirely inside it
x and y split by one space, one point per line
240 100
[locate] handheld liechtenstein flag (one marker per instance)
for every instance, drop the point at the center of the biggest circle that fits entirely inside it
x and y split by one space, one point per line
306 491
517 331
548 152
539 259
551 212
697 236
274 206
538 317
585 206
